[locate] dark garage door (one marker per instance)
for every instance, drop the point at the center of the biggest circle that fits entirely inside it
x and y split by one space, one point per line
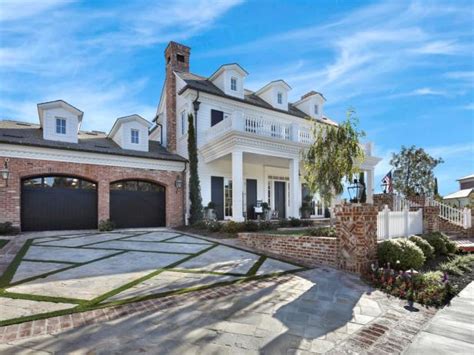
135 203
58 202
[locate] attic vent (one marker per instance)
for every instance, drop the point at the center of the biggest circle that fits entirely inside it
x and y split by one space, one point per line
180 58
23 124
12 135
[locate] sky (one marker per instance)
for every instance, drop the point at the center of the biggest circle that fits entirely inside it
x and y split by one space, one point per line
406 67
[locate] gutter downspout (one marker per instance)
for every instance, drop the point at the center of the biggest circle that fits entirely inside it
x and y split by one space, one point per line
196 104
185 193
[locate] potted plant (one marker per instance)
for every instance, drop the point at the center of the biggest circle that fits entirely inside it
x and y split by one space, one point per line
306 207
266 211
210 211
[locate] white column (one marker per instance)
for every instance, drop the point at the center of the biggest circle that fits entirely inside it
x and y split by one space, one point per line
295 188
237 186
370 186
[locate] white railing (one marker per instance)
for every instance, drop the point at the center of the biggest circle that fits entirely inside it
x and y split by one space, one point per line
267 127
218 129
454 215
400 203
392 224
305 136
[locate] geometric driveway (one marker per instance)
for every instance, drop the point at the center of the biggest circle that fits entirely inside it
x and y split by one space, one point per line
66 274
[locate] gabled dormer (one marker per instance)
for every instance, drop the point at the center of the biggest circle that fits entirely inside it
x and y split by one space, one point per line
60 121
276 94
230 79
131 132
311 104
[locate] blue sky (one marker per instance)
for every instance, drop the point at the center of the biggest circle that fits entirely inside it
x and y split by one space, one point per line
407 67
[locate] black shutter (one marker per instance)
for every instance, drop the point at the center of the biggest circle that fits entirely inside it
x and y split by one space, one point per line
216 117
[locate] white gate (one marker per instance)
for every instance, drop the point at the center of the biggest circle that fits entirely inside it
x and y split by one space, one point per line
392 224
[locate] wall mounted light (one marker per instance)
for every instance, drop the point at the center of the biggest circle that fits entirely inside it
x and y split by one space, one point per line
5 172
178 183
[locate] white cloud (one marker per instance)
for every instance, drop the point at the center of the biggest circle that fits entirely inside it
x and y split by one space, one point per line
469 106
11 10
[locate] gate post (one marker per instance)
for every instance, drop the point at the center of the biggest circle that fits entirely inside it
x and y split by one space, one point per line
386 222
356 229
405 222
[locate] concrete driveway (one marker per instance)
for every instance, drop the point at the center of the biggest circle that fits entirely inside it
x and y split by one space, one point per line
69 273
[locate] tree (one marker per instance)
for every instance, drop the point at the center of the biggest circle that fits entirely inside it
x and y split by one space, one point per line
334 156
413 171
195 209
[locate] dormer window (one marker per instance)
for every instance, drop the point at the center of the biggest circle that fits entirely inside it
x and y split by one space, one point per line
316 109
60 125
134 135
233 84
280 98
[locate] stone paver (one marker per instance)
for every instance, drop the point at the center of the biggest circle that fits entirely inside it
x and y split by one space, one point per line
152 246
153 236
32 268
15 308
451 330
74 255
89 239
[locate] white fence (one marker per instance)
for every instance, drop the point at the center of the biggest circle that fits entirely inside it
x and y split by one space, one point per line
392 224
454 215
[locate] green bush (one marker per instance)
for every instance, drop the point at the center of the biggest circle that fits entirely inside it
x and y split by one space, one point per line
232 227
427 249
7 228
402 254
200 225
106 225
283 223
306 223
214 226
458 265
437 241
295 222
323 232
251 226
266 225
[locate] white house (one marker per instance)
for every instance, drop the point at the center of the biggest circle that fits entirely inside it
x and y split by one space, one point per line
249 143
465 195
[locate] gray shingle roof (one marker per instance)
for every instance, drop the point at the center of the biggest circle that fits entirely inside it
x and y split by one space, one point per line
200 83
24 133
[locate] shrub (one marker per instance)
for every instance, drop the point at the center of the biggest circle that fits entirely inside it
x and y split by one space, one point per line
323 232
306 223
200 225
265 225
294 222
282 223
458 265
427 249
7 228
106 225
402 254
251 226
214 226
232 227
437 241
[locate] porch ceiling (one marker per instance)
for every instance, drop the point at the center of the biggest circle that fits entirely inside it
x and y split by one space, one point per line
259 159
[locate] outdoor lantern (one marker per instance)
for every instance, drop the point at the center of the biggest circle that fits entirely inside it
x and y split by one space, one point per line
178 183
384 185
355 191
5 172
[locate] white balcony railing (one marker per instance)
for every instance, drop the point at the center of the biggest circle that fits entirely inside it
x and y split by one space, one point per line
267 127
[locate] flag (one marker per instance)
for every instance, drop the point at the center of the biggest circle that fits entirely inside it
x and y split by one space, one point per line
387 182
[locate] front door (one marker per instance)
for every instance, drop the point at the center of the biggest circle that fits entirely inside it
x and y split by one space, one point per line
217 195
251 194
280 204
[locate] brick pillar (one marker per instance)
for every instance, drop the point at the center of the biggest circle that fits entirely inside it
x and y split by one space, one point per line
103 200
177 60
356 229
430 219
380 200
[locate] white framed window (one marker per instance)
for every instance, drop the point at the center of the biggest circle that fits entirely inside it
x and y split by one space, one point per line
134 136
233 84
60 125
184 123
316 109
227 197
280 98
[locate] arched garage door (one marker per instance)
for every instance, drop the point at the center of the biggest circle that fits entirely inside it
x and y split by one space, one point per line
135 203
58 202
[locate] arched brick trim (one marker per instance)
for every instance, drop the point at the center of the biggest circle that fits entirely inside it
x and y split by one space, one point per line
102 175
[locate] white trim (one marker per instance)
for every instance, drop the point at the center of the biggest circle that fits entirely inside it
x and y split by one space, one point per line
40 153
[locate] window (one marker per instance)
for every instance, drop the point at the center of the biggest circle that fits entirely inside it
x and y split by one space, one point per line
60 126
316 109
62 182
233 84
216 117
183 123
280 98
134 136
227 198
136 185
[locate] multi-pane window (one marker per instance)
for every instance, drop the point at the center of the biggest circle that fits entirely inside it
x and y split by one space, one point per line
135 136
183 123
60 126
227 198
280 98
233 84
316 109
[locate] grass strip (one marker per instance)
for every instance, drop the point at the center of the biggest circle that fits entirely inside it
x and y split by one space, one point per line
3 242
41 298
253 270
49 261
11 269
204 272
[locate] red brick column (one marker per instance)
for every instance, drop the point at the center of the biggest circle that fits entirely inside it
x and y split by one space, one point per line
356 229
430 219
103 200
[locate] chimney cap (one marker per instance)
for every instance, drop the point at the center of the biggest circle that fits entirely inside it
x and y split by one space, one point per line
177 45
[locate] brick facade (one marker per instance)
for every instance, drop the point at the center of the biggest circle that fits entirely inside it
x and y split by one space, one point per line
430 219
306 250
102 175
177 59
356 229
380 200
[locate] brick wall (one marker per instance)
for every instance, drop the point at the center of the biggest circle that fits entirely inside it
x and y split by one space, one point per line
104 175
356 229
430 219
380 200
306 250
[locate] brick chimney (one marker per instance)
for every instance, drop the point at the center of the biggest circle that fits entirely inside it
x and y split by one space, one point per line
177 59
